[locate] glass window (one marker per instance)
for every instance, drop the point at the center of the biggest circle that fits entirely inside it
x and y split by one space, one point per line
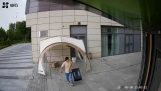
137 44
32 0
57 1
43 34
44 8
120 44
33 9
44 3
129 31
104 44
78 29
159 87
78 32
137 32
120 30
156 79
111 41
56 7
34 4
114 40
129 43
79 6
67 7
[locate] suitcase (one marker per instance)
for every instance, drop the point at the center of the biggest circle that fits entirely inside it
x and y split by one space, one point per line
76 74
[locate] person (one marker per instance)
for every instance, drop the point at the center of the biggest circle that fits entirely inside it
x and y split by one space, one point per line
67 65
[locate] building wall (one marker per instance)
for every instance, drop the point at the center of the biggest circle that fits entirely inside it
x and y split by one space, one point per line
57 23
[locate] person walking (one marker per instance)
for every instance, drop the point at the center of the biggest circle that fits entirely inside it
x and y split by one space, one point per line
67 65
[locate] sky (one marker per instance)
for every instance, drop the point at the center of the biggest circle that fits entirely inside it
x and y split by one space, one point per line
12 14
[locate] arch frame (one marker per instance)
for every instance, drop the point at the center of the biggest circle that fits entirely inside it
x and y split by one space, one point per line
68 42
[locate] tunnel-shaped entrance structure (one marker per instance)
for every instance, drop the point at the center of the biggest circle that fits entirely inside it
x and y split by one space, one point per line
77 44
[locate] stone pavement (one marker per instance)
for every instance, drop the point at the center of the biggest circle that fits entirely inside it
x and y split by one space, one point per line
15 67
107 73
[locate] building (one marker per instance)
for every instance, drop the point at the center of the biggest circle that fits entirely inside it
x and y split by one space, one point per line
101 34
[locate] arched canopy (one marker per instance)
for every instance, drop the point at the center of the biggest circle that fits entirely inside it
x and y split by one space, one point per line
46 44
66 40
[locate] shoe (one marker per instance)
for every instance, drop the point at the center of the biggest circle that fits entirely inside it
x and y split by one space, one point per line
71 84
67 82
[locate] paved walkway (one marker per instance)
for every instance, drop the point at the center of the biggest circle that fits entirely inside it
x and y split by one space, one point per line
107 73
15 67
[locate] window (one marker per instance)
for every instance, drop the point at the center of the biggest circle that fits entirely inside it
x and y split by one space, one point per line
137 44
117 40
129 43
78 32
43 34
111 41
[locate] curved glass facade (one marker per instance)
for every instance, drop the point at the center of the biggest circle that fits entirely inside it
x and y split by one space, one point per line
50 5
33 6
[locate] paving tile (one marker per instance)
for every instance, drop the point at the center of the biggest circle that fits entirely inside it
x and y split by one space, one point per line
107 73
52 85
15 67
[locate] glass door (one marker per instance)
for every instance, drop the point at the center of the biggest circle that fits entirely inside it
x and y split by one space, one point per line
78 32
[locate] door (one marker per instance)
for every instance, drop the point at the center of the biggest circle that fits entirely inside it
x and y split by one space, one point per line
78 32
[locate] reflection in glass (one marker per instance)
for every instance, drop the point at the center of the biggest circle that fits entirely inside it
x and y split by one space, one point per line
114 40
33 9
47 5
159 87
56 7
44 8
34 4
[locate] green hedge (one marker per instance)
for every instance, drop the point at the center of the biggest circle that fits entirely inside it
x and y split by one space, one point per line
7 43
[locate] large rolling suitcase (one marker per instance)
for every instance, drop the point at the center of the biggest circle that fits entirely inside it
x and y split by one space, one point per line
76 74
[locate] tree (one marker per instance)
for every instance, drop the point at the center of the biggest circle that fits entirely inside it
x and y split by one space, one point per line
12 26
11 31
21 31
15 34
10 34
3 35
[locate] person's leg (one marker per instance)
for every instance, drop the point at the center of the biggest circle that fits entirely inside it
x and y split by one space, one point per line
67 77
71 78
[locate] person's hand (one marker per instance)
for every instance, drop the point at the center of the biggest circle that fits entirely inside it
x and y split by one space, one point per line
61 71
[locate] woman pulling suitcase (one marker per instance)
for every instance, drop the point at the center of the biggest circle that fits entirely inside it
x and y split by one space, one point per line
70 73
67 65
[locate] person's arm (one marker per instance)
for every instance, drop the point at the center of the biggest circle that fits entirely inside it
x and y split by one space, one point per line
71 67
61 68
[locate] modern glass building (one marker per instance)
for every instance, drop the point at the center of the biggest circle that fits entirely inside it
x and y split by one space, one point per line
101 34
